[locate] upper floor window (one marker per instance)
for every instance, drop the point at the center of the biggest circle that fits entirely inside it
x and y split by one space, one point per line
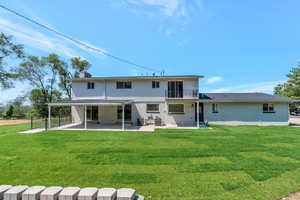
123 84
152 108
155 84
176 108
90 85
215 108
268 108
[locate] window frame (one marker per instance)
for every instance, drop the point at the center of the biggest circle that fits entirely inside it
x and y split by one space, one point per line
176 113
270 108
90 85
123 85
152 111
215 108
155 84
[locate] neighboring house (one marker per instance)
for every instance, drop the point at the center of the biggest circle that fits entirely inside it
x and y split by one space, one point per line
167 100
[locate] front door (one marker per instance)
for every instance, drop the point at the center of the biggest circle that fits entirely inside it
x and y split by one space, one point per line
201 115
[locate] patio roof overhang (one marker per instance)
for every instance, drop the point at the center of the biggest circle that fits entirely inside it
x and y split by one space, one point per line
90 102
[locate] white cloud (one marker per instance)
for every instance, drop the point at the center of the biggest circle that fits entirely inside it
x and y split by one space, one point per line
214 79
253 87
167 8
37 40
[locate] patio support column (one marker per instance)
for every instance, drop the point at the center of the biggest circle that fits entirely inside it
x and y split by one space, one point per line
49 116
198 114
123 116
85 117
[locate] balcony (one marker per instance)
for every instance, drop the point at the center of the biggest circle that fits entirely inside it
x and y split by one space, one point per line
182 94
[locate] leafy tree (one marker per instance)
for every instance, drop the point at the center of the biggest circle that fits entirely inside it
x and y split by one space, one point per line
20 111
292 87
39 102
79 65
41 74
8 50
66 75
9 112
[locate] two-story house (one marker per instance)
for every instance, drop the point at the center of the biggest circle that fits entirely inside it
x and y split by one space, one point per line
166 101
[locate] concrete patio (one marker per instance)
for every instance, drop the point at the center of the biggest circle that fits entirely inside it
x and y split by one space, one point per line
105 127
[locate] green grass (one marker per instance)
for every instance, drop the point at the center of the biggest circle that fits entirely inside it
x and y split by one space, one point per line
245 162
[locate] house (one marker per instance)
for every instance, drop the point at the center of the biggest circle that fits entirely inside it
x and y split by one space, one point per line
167 101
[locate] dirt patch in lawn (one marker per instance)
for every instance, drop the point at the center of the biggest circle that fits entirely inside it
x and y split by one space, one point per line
13 121
293 196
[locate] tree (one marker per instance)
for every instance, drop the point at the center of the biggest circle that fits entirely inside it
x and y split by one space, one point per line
79 65
20 111
292 87
8 49
9 112
39 102
66 75
41 74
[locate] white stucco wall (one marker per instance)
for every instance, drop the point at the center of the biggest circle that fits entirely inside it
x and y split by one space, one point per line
186 119
108 114
246 112
141 90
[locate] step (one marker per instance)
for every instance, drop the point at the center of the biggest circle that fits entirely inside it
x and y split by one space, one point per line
4 188
107 194
69 193
15 193
125 194
33 193
51 193
88 194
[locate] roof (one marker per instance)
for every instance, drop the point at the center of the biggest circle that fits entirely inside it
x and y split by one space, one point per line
137 78
242 97
90 102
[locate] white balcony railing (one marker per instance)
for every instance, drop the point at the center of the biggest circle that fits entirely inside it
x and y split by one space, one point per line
182 94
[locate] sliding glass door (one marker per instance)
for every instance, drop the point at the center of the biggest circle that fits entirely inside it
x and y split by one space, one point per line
175 89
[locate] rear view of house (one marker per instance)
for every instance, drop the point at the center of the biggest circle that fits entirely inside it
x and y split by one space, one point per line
167 101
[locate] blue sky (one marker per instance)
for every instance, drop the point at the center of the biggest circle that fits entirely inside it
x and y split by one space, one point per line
239 46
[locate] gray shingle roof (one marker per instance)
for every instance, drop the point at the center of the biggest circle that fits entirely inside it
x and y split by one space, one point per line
242 97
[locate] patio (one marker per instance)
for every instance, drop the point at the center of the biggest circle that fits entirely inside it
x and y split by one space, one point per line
105 127
82 119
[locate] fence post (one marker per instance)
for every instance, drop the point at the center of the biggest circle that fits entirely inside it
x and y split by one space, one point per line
31 122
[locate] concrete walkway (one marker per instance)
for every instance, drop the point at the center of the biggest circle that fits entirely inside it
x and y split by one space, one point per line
33 131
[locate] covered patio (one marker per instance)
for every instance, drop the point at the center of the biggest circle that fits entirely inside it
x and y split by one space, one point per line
86 115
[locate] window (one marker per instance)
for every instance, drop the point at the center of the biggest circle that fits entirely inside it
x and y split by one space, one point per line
152 108
268 108
90 85
176 108
155 84
123 84
215 108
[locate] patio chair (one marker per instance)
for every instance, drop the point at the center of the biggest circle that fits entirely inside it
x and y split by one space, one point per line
157 121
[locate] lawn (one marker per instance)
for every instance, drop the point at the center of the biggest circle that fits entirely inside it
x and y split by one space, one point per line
245 162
